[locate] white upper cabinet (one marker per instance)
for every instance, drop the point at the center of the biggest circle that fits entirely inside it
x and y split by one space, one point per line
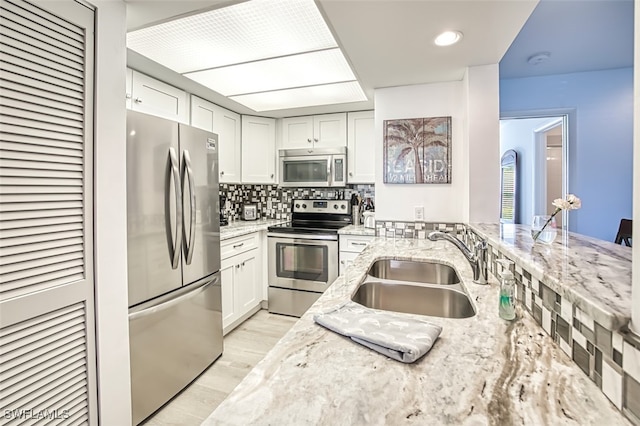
203 114
154 97
317 131
361 149
258 149
297 132
213 118
227 125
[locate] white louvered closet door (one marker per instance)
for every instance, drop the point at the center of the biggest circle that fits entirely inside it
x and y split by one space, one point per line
47 337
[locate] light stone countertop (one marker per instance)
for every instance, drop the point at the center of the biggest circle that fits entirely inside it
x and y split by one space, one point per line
242 227
357 230
482 370
594 275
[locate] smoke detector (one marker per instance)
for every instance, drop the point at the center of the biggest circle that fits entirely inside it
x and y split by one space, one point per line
538 58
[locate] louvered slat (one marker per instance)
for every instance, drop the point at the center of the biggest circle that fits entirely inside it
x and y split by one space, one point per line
40 230
44 359
39 69
38 214
36 41
47 221
16 268
39 116
41 126
32 145
21 104
36 208
13 28
9 280
17 41
43 94
39 197
50 247
57 29
43 362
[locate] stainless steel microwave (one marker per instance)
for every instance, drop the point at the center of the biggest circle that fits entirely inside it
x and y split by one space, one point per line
313 168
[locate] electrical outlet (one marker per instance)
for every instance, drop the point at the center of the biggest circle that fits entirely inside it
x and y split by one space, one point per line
418 213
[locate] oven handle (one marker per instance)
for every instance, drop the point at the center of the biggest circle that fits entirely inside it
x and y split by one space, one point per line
304 236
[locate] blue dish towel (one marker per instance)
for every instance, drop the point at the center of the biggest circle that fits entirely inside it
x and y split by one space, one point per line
397 336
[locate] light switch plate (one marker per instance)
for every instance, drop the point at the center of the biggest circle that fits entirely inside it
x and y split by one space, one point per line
419 213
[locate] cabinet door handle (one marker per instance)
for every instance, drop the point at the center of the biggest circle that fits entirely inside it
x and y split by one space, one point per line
342 261
309 140
138 100
271 175
243 264
358 244
128 96
238 266
350 173
221 173
238 245
315 140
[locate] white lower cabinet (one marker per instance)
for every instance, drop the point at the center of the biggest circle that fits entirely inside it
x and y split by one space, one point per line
241 276
350 247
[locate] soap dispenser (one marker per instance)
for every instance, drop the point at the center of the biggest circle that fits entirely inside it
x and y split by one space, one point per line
506 307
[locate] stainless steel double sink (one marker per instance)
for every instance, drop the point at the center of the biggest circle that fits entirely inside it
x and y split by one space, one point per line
415 287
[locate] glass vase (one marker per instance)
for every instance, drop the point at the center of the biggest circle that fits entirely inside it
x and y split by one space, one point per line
543 228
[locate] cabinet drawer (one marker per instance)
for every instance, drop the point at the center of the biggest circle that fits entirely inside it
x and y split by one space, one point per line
354 243
238 245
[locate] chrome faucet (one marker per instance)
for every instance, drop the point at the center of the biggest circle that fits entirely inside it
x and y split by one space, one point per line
477 259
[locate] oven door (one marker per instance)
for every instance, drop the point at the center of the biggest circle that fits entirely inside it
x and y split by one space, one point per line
302 262
311 171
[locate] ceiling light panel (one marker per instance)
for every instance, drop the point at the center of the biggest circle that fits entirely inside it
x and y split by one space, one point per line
244 32
325 94
306 69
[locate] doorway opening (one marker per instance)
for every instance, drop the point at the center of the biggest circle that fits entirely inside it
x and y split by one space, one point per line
541 142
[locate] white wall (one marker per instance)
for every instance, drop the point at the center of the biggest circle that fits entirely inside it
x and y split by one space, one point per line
483 151
442 202
112 327
473 194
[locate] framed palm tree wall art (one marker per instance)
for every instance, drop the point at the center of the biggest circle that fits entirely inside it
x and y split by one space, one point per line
417 150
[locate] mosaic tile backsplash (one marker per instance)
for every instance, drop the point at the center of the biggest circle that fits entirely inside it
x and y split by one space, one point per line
274 202
610 358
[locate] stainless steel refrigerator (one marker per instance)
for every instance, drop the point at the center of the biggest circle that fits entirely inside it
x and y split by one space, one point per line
173 221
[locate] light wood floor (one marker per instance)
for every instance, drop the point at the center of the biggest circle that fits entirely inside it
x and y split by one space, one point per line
244 347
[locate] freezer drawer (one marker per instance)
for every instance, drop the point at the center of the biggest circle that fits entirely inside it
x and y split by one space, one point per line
172 341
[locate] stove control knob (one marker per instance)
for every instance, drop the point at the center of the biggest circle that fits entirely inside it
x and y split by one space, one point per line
335 206
343 207
304 206
297 206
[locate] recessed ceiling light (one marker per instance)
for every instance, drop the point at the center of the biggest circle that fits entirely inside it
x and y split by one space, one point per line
448 38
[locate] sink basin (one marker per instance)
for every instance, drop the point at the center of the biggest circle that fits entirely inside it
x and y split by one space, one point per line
414 299
414 271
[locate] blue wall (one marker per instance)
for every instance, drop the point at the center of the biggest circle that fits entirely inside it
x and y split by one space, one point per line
600 151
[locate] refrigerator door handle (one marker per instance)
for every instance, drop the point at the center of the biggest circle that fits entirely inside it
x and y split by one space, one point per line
174 249
192 205
165 305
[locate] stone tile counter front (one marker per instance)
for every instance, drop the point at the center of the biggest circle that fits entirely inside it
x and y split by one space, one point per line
578 290
482 370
